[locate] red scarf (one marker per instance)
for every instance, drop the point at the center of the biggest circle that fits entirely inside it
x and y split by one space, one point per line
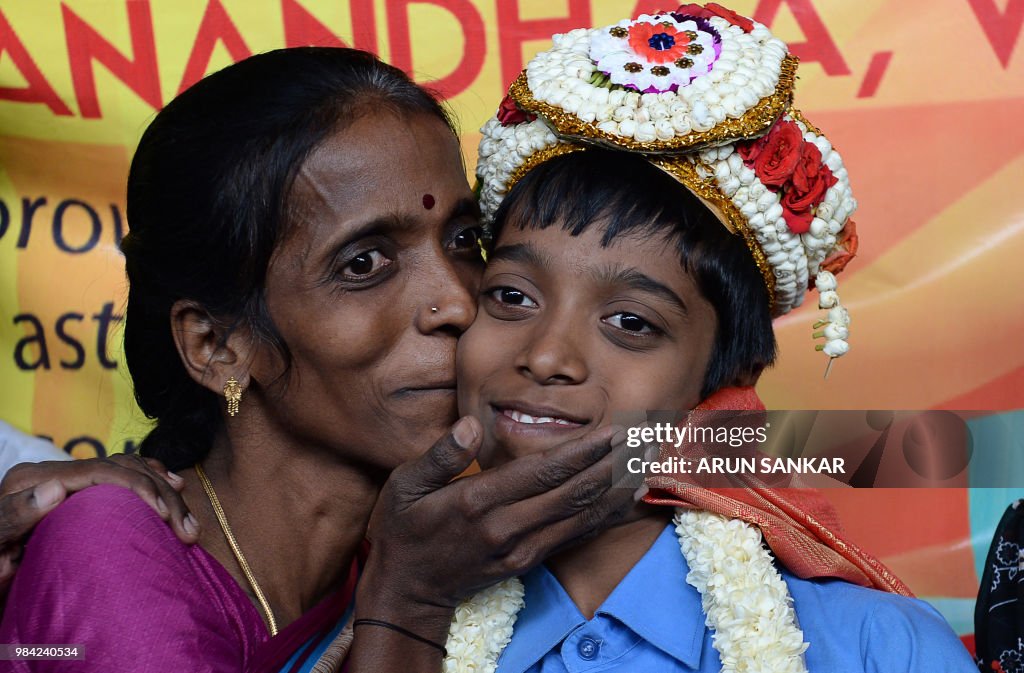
799 525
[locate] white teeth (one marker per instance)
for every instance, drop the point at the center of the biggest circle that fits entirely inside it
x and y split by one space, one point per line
520 417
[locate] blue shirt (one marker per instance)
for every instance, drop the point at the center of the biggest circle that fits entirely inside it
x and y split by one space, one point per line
653 621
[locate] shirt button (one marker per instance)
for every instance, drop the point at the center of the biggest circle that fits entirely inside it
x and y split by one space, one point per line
588 648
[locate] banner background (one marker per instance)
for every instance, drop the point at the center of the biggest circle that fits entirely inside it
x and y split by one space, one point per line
923 98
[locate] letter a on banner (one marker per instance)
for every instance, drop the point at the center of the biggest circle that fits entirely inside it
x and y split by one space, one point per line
302 29
85 45
819 45
216 27
38 89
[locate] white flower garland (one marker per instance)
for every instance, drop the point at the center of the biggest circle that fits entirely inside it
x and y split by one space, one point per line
482 628
746 70
794 257
502 150
837 328
745 600
762 209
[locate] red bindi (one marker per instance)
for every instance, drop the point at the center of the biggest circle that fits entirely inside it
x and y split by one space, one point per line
428 201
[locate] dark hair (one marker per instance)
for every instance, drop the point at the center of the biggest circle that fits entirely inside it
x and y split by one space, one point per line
626 195
208 196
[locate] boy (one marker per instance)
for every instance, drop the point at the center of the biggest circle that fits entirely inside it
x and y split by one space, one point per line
633 279
610 289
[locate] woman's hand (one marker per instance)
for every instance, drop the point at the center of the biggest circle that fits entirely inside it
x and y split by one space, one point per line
31 490
435 541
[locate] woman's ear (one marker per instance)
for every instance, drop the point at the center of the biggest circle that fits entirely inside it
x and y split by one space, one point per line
211 352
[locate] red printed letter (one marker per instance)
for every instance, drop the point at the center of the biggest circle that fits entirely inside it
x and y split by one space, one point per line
513 32
472 61
302 28
819 45
216 27
38 89
1003 29
85 45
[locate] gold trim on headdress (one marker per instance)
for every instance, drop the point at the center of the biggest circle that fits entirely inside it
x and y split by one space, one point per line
539 157
685 171
797 115
754 122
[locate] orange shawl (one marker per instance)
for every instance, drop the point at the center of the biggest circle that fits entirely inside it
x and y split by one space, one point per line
799 525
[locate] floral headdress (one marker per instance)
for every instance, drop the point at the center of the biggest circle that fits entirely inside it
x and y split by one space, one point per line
706 95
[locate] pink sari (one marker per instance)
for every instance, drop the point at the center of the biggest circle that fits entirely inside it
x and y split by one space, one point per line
103 571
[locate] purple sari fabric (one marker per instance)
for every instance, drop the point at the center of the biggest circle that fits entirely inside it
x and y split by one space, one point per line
103 571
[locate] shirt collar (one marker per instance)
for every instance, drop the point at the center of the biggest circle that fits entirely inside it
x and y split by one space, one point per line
653 600
548 616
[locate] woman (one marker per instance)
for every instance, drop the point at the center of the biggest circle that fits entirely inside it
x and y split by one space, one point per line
302 244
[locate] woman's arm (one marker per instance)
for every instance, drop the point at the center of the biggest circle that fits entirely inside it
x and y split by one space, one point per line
30 491
436 541
105 573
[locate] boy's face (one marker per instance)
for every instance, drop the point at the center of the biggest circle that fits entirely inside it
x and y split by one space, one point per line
569 333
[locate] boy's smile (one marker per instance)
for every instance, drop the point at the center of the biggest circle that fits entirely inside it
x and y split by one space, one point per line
569 333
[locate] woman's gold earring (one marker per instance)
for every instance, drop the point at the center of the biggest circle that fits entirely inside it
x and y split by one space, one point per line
233 394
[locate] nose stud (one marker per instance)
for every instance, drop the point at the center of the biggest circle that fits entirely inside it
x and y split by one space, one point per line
433 309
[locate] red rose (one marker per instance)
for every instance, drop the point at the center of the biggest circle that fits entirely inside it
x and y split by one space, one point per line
509 113
811 179
732 17
798 223
779 155
714 9
693 10
749 149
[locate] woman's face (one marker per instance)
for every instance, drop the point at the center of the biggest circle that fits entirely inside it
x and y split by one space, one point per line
371 288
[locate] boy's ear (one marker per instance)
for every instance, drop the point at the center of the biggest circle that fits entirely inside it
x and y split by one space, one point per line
210 352
748 379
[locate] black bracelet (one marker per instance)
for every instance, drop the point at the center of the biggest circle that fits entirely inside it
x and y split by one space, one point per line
405 632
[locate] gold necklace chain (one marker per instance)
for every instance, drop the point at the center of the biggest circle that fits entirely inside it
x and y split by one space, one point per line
222 519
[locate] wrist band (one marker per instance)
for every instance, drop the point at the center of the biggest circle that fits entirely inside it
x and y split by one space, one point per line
405 632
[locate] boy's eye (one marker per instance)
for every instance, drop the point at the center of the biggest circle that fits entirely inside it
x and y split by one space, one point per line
467 239
630 322
511 296
365 264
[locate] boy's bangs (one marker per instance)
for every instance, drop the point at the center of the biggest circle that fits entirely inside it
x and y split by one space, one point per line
621 193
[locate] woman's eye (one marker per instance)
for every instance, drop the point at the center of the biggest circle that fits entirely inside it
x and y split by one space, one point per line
467 239
365 264
630 322
512 297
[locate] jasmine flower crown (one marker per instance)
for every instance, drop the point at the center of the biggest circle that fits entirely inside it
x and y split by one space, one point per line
707 96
